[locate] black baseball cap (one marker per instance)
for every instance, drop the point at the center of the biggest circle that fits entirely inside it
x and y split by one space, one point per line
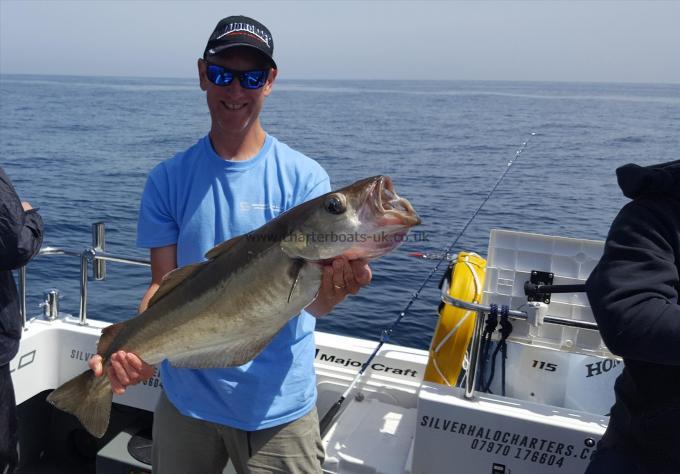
240 31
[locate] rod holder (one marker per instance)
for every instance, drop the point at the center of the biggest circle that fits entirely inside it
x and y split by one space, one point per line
475 347
85 257
99 245
51 304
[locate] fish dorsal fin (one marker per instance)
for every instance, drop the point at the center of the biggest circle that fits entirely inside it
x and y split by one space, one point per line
109 333
172 279
224 247
178 275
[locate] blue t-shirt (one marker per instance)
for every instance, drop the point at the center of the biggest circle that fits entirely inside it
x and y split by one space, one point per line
197 200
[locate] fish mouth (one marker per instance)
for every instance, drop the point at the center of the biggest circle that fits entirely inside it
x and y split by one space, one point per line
391 209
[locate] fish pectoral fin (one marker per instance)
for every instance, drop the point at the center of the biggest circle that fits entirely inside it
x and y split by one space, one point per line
172 279
212 358
297 266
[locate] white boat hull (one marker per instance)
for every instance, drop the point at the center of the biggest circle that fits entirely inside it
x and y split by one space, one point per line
398 424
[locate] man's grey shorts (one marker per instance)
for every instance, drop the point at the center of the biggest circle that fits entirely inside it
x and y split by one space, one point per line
185 445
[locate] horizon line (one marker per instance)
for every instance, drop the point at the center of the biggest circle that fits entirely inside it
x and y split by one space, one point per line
578 81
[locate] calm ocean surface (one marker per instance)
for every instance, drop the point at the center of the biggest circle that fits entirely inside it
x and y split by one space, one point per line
80 149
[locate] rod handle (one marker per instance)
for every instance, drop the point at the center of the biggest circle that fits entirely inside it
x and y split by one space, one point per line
327 420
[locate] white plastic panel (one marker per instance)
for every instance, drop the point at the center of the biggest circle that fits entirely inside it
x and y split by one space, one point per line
492 434
371 437
557 378
512 256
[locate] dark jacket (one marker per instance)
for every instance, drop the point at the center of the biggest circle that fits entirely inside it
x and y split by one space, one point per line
633 292
20 239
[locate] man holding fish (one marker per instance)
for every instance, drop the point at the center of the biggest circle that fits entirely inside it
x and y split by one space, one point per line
238 377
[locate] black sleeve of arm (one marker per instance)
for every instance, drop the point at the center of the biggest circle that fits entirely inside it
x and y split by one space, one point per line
633 291
21 232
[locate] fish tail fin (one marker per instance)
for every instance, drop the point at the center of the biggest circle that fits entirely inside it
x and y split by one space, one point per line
88 398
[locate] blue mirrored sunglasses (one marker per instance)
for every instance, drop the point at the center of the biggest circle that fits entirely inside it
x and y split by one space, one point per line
221 76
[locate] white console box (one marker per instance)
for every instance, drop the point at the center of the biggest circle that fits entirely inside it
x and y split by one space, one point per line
491 434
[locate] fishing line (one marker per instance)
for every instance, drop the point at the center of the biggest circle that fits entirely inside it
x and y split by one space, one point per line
330 415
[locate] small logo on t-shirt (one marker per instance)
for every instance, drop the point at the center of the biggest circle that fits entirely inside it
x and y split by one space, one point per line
252 206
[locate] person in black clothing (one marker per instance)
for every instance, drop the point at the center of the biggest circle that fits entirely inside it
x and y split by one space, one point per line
21 232
633 292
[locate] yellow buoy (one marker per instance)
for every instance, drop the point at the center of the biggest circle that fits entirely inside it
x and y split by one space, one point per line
455 326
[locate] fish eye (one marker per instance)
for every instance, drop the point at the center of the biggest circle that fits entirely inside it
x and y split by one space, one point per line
335 205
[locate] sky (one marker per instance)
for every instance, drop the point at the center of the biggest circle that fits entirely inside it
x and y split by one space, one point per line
589 41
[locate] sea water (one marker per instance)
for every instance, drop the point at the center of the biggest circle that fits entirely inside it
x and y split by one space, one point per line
80 149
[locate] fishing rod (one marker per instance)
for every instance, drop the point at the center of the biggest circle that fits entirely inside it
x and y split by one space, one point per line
326 421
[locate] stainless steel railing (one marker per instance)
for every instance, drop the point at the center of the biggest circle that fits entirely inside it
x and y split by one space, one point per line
478 332
95 254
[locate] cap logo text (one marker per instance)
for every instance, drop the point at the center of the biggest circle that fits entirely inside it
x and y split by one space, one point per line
240 27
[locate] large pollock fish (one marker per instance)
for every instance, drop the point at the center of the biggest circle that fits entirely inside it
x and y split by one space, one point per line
224 311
